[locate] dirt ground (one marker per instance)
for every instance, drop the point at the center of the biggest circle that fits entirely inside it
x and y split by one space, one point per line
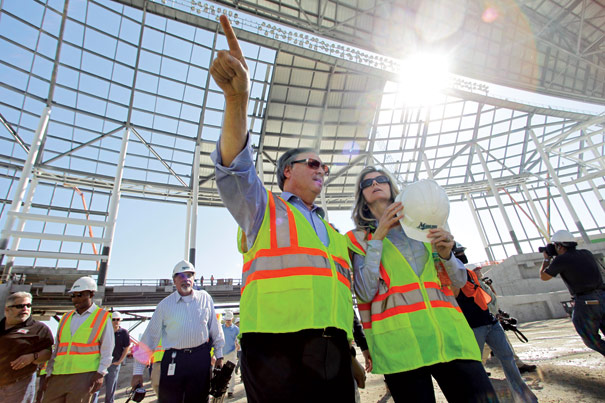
568 371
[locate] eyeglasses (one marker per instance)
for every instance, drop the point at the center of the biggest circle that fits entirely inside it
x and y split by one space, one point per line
78 295
115 320
314 164
366 183
184 275
20 306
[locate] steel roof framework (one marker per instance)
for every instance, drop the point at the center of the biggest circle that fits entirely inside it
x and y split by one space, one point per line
129 84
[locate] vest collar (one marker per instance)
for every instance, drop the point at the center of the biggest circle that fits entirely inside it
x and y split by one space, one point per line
290 197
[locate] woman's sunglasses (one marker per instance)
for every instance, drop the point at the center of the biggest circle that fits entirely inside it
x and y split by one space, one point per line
314 164
366 183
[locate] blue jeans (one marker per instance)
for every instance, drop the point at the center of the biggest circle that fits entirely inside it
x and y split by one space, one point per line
496 339
589 318
111 381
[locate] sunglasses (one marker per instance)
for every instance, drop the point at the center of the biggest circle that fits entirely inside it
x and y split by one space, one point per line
115 320
366 183
314 164
20 306
78 295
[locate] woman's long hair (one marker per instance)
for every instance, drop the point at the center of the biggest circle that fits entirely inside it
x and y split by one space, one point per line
362 216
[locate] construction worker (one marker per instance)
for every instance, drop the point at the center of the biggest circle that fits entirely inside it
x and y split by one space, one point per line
185 322
296 303
83 348
403 266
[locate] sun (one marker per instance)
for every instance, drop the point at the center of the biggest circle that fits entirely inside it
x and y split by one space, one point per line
422 78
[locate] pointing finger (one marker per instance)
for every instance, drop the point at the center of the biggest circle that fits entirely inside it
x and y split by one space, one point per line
231 38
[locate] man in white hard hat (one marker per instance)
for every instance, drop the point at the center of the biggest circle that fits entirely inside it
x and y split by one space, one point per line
83 348
580 272
296 298
231 346
120 351
186 324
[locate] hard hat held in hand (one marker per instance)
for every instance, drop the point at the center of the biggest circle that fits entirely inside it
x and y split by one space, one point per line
84 284
425 206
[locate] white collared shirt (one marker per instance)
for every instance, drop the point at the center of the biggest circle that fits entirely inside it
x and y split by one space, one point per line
183 322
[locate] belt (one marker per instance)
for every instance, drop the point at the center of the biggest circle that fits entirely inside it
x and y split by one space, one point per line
326 332
188 350
581 294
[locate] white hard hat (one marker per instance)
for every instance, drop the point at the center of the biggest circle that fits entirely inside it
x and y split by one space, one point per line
84 284
183 267
228 315
425 206
563 236
116 315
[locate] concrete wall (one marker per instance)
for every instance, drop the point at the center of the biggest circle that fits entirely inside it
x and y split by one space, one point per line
523 294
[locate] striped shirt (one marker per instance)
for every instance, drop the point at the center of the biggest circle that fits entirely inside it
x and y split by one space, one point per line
183 322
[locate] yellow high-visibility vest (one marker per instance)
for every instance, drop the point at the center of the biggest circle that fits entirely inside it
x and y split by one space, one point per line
291 281
412 321
82 352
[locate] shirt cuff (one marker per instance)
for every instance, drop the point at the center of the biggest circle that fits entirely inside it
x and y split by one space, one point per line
240 163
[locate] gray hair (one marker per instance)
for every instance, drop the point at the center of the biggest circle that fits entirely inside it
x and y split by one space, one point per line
362 216
286 160
18 295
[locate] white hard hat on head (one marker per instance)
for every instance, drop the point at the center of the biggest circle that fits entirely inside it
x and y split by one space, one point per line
84 284
228 315
183 267
563 236
425 206
116 315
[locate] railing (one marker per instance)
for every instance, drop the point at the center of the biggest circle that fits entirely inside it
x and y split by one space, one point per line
164 282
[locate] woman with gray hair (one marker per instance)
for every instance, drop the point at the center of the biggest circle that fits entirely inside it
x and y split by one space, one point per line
413 325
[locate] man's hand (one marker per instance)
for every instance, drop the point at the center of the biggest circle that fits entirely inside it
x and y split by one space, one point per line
219 363
23 361
442 241
96 383
136 380
368 360
229 69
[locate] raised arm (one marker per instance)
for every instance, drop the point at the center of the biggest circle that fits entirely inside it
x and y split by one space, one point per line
230 72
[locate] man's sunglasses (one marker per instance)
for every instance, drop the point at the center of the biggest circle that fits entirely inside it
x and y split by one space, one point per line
115 320
77 295
314 164
20 306
366 183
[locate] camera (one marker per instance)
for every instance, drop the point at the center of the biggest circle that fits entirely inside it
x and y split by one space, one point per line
220 379
487 280
549 249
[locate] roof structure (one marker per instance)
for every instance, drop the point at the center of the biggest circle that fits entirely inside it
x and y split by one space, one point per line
103 98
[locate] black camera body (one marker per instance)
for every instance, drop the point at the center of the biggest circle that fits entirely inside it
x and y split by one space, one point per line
220 379
549 249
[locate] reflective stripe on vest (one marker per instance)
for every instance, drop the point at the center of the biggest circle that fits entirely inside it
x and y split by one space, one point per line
413 312
291 280
286 258
80 352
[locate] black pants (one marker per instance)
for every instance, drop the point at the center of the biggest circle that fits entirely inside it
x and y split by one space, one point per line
191 380
460 381
306 366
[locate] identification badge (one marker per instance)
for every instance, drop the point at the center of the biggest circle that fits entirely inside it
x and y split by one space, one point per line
171 369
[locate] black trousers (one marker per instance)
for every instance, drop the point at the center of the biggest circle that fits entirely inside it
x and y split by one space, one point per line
191 380
460 381
307 366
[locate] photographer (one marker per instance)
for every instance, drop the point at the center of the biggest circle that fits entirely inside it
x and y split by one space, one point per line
580 272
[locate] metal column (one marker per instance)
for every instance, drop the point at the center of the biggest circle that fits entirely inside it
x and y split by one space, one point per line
494 189
471 207
114 203
557 182
194 203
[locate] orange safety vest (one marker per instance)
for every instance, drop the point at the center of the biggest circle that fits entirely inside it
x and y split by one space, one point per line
472 289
